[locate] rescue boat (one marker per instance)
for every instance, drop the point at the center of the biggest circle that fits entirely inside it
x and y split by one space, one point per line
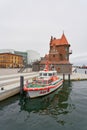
47 82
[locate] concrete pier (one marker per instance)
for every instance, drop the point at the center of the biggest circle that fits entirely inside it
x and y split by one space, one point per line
10 84
74 76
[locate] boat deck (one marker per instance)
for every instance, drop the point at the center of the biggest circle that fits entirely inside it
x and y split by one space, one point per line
37 85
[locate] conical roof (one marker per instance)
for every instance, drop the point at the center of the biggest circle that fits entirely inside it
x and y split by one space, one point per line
61 41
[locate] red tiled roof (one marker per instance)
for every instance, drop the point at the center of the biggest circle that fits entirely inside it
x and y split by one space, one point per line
64 40
61 41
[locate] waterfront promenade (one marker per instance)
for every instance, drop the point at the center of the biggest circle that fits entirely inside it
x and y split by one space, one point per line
10 80
75 76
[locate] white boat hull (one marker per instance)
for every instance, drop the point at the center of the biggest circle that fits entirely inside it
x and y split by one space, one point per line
46 90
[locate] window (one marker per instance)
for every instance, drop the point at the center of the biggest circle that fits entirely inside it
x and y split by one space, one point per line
53 55
50 74
40 74
61 57
45 74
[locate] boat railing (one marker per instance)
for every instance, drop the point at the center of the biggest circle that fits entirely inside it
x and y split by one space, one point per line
42 82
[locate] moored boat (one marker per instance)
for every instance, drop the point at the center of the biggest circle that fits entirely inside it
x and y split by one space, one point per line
44 84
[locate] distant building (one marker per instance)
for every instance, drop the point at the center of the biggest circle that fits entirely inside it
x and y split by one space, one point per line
9 60
24 55
29 56
58 55
7 51
33 56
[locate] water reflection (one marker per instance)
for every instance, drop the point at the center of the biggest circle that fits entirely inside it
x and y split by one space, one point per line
56 104
8 101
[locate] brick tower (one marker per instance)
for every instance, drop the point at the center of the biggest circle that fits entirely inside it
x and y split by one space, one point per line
59 50
58 55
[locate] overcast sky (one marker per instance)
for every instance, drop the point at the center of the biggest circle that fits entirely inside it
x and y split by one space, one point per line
29 24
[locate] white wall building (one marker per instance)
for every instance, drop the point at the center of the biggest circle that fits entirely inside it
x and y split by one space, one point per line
32 56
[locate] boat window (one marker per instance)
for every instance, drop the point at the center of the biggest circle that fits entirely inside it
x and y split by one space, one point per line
44 74
40 74
50 74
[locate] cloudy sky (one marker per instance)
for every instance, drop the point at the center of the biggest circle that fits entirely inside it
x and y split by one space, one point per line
29 24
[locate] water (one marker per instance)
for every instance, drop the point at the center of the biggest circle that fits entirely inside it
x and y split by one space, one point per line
65 109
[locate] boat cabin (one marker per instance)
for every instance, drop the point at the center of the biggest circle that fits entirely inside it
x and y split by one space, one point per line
47 74
46 77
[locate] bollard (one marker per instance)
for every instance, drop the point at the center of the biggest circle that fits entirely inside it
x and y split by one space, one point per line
69 77
21 85
2 88
63 77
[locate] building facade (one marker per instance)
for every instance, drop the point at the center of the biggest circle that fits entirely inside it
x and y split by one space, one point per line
58 55
29 56
59 50
24 55
9 60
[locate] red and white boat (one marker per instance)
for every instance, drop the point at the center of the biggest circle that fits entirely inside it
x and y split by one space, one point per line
44 84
